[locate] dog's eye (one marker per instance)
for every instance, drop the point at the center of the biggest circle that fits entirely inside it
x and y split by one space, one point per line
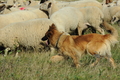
48 35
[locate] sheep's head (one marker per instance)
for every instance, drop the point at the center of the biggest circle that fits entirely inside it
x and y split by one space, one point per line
42 1
45 6
114 19
2 7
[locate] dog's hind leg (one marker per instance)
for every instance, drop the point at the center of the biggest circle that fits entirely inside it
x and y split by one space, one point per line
98 58
111 61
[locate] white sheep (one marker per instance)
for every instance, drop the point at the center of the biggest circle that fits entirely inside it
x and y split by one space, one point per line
2 7
68 19
94 16
115 18
107 16
26 34
115 3
39 13
52 6
106 2
19 16
34 3
109 12
13 9
10 2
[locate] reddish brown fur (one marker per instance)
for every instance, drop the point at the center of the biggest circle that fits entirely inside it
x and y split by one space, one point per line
75 46
108 1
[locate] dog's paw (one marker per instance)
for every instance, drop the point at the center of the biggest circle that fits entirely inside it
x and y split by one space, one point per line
92 65
78 65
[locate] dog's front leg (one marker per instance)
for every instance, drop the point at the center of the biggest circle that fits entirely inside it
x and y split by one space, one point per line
76 60
95 63
98 58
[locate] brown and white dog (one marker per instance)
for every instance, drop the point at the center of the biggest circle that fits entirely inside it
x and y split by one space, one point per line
75 46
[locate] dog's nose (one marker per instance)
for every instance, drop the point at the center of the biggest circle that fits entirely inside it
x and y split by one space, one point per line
44 38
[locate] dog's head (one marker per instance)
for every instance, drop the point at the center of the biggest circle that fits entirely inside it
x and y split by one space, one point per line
49 33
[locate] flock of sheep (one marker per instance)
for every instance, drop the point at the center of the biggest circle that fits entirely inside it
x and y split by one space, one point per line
25 23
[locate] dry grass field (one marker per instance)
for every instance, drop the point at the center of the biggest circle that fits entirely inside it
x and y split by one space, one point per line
37 66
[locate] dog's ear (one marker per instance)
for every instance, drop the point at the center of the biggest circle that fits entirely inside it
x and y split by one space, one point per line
52 26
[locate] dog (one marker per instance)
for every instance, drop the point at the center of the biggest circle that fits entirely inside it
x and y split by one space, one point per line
75 46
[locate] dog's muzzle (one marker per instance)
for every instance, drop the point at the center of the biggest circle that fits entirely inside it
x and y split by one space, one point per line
44 38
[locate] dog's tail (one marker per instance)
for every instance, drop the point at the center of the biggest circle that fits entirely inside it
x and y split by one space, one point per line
114 38
110 29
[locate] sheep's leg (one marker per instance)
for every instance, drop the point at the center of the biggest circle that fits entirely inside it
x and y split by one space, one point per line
6 51
118 23
100 30
81 27
93 29
79 31
16 54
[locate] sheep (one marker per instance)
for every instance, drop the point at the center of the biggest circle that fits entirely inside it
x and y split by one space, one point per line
2 1
42 1
115 3
94 16
118 3
2 7
39 13
109 12
107 2
33 3
68 19
12 9
116 18
10 2
18 3
27 34
52 6
19 16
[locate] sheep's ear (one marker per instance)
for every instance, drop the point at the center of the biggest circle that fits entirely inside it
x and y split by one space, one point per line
49 5
9 6
42 1
114 18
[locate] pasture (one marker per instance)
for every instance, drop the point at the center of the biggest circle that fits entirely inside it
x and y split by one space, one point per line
37 66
